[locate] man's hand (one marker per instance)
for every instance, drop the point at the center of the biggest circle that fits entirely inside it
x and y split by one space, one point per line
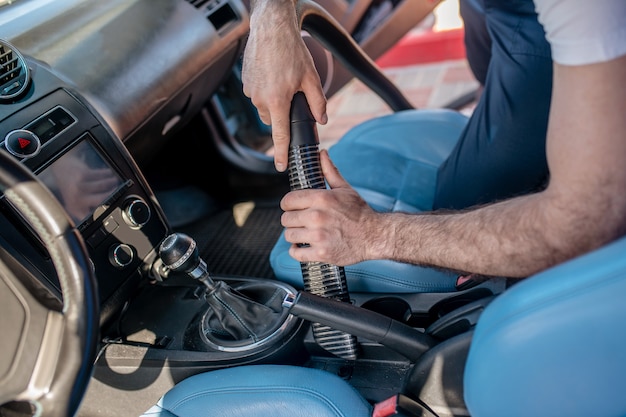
337 224
276 65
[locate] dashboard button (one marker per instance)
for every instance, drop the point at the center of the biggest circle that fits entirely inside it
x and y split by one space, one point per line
110 225
97 238
22 143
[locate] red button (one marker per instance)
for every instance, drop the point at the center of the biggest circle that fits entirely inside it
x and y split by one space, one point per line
22 143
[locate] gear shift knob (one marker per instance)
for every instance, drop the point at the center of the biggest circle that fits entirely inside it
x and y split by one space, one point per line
179 253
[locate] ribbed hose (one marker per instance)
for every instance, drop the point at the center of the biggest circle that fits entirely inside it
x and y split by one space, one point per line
319 278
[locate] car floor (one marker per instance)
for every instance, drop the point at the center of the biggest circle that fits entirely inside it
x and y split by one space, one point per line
236 241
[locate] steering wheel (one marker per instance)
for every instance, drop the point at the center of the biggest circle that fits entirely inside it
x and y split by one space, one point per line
47 352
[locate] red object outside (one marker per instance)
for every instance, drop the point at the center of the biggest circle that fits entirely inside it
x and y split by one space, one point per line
425 47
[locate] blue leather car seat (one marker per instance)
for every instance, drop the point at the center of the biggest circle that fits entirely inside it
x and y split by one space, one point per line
551 345
554 345
392 161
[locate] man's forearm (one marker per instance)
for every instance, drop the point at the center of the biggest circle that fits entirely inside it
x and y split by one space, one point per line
514 238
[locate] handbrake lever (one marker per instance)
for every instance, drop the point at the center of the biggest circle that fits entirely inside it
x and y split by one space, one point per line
360 322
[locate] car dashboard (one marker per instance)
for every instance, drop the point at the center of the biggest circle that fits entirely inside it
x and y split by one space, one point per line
92 88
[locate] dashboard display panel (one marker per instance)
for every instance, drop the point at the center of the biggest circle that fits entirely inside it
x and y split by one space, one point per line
82 180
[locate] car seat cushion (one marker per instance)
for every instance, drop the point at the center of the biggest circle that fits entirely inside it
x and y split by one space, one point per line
378 276
398 156
262 390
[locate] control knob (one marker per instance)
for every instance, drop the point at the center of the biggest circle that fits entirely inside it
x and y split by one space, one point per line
121 255
136 212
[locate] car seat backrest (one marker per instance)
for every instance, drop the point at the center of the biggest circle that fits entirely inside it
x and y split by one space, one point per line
555 343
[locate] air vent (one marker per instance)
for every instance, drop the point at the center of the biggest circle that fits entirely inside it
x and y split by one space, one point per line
198 3
14 73
219 12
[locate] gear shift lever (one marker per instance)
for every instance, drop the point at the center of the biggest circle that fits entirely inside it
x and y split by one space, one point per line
232 315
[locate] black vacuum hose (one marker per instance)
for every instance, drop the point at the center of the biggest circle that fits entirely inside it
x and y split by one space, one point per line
319 278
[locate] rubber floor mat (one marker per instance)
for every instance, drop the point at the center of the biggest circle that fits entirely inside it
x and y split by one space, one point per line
237 241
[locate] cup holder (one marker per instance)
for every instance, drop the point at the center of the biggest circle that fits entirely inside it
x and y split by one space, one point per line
392 307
